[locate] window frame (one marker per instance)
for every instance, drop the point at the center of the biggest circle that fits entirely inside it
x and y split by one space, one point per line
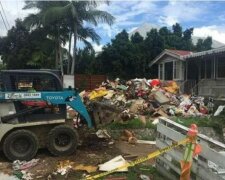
217 60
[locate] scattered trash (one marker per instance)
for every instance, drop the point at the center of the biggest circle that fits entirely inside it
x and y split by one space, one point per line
8 177
156 121
138 98
146 142
23 165
22 175
102 133
219 110
129 137
89 169
27 175
100 92
114 163
64 166
144 177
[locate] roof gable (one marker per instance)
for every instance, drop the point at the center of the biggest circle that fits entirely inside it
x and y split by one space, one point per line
178 54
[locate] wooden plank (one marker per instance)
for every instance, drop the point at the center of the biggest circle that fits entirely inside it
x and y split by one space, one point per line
201 172
207 152
168 175
202 136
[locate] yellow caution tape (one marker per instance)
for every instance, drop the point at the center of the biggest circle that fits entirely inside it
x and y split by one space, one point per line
141 160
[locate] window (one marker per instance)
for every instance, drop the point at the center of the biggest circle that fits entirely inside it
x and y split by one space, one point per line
202 69
33 83
221 67
161 71
171 70
168 71
208 68
177 68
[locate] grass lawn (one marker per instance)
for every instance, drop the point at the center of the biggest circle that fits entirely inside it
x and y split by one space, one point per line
131 124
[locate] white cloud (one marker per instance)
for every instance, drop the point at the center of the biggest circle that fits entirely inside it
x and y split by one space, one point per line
97 48
216 32
13 10
168 20
181 11
125 13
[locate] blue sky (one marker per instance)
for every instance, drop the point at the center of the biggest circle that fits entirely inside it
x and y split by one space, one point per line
207 17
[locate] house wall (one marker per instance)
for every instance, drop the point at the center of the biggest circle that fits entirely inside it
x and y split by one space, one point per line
212 88
166 59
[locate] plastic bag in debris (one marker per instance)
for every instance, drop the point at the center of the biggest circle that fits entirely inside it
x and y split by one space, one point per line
121 87
185 102
219 110
100 92
102 133
22 165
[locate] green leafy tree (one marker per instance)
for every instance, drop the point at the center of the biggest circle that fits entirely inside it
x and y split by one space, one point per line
23 49
129 58
204 44
177 30
73 15
136 38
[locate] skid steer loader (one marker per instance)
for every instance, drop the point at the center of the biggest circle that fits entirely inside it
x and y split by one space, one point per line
33 114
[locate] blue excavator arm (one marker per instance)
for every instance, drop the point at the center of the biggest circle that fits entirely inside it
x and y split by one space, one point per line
68 97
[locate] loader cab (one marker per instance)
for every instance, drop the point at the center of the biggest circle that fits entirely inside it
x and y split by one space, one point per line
30 80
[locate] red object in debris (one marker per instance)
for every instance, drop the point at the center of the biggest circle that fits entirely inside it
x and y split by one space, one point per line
203 110
197 150
35 103
193 130
155 82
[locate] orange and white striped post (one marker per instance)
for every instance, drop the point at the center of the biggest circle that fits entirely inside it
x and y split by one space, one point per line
192 149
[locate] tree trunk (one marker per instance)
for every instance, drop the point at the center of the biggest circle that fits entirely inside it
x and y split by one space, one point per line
69 58
61 59
56 55
74 51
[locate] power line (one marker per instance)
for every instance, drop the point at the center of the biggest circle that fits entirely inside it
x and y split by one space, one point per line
3 20
4 15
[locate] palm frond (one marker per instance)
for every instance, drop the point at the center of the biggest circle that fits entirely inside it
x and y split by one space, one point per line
89 33
87 44
99 16
54 14
32 20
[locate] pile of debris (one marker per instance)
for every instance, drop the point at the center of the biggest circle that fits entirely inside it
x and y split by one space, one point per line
141 97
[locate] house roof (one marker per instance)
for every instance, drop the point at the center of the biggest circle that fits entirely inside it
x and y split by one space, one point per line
203 53
185 55
179 54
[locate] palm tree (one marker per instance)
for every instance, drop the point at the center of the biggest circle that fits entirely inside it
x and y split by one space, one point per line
57 31
73 15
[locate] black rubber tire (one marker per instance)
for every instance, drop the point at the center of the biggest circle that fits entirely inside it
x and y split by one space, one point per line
20 145
62 140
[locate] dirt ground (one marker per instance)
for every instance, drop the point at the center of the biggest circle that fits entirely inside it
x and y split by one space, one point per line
92 151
